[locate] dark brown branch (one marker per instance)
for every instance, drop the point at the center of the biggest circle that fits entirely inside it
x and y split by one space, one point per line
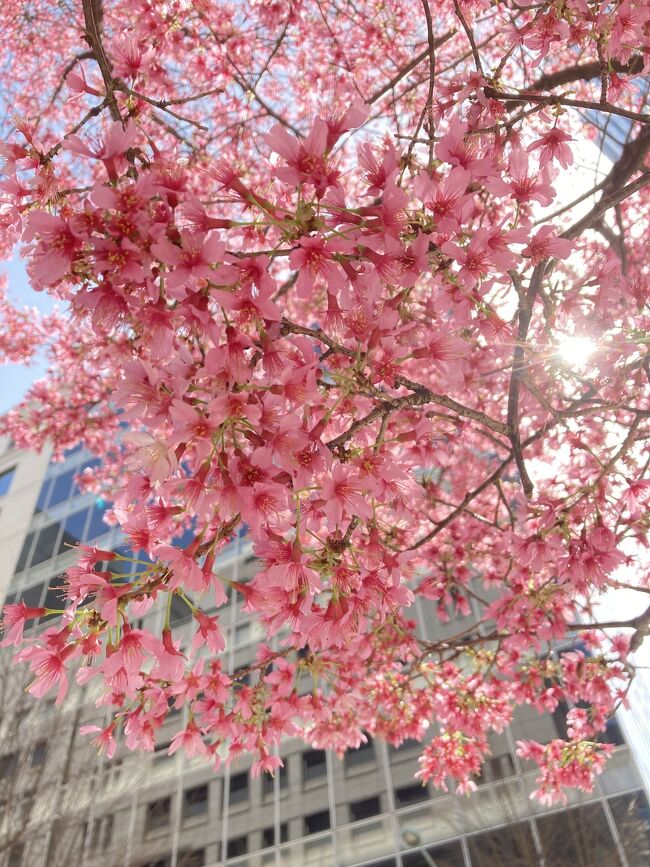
606 107
585 72
410 66
93 15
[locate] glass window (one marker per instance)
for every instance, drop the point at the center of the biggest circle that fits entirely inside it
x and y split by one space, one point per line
6 478
158 814
579 836
413 794
450 855
632 816
268 835
15 858
45 547
39 754
317 822
61 487
268 782
43 494
364 753
180 611
313 765
238 788
8 765
108 832
513 846
23 560
73 530
237 846
364 809
32 595
195 858
97 526
54 596
195 801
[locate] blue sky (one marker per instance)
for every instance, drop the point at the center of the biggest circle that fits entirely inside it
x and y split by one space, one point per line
15 379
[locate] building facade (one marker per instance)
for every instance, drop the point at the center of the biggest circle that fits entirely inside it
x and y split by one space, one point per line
63 806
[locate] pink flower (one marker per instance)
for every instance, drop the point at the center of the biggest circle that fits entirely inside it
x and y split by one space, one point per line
14 619
341 492
282 677
191 261
525 186
110 149
190 740
306 162
553 145
545 243
105 741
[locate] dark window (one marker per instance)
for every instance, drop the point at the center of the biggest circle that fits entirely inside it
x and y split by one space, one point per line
268 835
8 765
242 678
268 782
97 527
238 788
632 816
612 734
73 530
123 567
196 858
364 809
73 450
180 611
160 752
16 853
54 596
45 547
513 846
497 768
317 822
108 832
43 494
6 477
61 488
449 855
237 846
364 753
412 794
23 560
579 836
38 754
313 765
195 801
158 813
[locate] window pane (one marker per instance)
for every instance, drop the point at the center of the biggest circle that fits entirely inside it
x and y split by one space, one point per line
61 487
195 801
45 547
411 794
364 809
450 855
364 753
513 846
238 788
43 494
73 530
237 846
6 478
577 837
54 596
158 813
317 822
24 554
632 816
313 765
97 526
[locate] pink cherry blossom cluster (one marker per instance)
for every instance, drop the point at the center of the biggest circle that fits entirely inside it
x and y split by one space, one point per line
344 335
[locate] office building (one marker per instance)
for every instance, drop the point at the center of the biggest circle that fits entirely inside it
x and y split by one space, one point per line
63 805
